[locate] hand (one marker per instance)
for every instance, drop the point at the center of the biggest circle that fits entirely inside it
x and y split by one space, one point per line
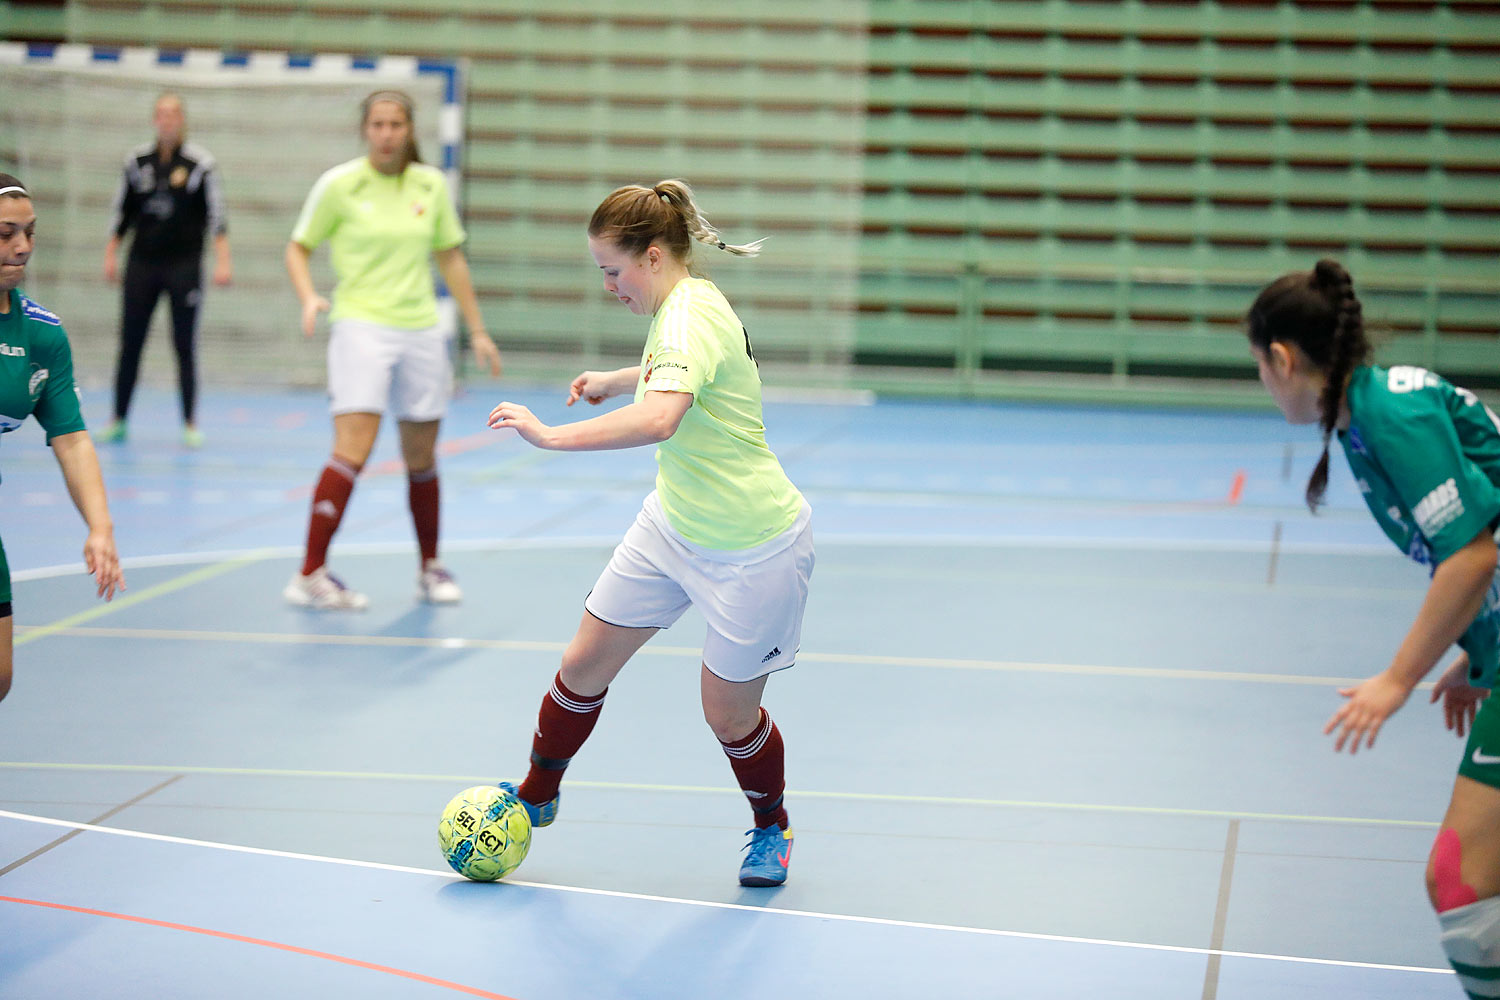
310 309
486 354
1369 705
1460 698
111 266
521 420
223 273
104 563
592 386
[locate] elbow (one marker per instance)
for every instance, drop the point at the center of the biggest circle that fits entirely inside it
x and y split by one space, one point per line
661 427
1489 558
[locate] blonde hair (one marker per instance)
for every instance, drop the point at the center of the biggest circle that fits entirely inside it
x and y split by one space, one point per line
636 217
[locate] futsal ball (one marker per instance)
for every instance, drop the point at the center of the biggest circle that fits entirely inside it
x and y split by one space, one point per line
484 833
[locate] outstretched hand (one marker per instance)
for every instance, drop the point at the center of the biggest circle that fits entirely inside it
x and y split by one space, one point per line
486 354
103 562
592 386
521 420
1370 704
310 309
1460 698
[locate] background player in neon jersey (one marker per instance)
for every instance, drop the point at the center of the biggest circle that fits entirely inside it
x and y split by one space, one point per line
36 378
386 215
1426 455
170 196
724 530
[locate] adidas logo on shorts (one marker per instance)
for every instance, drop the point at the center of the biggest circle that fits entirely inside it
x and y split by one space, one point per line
767 657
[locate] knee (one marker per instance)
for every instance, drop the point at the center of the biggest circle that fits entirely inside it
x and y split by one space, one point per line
731 725
582 673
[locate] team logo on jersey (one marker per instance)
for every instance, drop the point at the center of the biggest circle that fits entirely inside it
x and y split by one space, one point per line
418 209
6 350
38 378
31 310
1439 508
178 177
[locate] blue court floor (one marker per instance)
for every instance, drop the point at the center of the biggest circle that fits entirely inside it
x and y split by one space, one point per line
1054 731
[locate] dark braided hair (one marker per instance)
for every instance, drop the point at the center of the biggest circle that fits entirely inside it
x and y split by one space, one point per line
1318 312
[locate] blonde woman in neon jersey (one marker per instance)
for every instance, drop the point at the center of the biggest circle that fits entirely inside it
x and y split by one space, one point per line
724 530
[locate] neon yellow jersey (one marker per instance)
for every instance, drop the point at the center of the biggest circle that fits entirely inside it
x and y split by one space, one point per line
719 485
381 230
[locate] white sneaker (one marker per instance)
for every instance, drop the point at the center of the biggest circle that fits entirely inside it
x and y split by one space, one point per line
322 590
436 585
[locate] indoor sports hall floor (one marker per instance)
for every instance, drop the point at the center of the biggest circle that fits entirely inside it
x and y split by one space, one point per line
1055 730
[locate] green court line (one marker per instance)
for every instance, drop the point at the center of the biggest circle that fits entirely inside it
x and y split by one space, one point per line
32 633
848 659
623 786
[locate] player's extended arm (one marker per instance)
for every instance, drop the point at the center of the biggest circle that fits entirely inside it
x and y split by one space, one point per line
1453 599
300 271
80 470
223 266
651 421
454 268
596 387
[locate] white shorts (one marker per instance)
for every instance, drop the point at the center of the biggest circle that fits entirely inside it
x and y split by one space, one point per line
752 600
373 367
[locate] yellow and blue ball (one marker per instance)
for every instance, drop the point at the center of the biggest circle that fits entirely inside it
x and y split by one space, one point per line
484 833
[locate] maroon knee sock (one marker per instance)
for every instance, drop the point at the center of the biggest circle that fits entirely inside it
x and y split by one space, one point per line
565 721
422 495
330 497
759 762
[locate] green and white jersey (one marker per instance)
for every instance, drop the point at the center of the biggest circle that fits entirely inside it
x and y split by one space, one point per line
1426 457
36 370
381 230
719 484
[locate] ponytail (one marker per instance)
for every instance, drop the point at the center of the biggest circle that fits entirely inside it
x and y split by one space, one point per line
677 195
1318 312
666 215
1350 347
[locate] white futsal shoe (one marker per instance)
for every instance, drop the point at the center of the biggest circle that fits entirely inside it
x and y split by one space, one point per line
323 591
436 585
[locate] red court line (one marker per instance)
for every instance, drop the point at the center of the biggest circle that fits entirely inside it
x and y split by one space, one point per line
1237 488
456 987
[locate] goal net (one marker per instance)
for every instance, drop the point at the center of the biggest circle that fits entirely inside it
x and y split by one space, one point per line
273 123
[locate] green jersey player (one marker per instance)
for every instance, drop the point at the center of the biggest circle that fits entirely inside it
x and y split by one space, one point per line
36 378
1426 456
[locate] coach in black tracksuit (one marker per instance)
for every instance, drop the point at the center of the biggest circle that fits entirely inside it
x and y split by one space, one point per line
171 196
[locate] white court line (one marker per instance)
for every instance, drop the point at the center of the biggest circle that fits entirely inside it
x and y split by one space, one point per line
777 911
871 541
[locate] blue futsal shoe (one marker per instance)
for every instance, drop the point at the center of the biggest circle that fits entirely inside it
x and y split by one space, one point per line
769 853
541 815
